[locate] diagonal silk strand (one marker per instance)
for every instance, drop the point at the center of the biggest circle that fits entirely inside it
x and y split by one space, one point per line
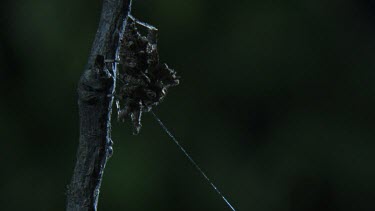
192 161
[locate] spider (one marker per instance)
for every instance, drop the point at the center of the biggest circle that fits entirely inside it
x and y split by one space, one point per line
144 81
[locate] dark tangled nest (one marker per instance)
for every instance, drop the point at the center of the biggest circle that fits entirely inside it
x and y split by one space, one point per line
144 81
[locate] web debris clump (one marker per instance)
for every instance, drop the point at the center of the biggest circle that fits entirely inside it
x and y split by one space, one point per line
144 80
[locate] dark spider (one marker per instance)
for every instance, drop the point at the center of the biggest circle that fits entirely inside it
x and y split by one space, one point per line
144 80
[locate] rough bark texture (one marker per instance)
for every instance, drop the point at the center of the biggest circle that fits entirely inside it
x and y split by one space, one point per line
95 90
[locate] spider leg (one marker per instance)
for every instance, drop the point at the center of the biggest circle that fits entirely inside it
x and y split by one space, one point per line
136 116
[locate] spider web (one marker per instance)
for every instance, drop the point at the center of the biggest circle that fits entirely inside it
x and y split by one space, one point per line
117 58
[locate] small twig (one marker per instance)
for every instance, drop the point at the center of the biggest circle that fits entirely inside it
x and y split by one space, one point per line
143 23
112 61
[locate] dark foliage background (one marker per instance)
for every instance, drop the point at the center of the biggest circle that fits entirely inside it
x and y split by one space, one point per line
276 104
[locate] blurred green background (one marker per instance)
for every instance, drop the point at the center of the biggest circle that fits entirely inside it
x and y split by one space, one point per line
276 104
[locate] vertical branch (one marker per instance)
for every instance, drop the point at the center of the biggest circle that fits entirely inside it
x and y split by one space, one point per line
95 91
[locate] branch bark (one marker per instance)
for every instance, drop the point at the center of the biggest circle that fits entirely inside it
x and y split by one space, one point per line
95 98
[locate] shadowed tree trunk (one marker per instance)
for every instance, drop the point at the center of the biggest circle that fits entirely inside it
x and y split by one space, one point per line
95 90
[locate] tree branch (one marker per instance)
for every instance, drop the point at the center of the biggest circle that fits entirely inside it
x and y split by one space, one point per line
95 90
